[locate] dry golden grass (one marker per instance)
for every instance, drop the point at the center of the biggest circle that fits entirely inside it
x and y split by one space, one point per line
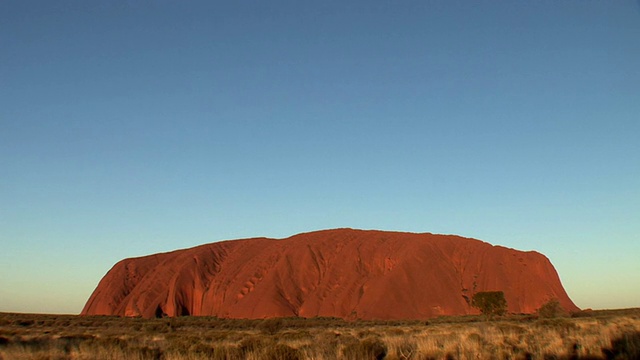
592 335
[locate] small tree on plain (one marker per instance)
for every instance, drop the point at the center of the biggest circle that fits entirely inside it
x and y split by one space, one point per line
490 303
551 309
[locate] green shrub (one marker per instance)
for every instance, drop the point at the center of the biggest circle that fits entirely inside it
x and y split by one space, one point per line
551 309
490 303
582 314
271 326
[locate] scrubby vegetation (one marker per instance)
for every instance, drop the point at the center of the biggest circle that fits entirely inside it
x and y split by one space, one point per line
584 335
551 309
490 303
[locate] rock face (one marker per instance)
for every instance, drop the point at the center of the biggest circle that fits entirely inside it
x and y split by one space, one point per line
351 274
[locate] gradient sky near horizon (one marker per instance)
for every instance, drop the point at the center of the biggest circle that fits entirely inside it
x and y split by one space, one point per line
134 127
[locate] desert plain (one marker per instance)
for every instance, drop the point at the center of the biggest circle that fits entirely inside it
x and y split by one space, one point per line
601 334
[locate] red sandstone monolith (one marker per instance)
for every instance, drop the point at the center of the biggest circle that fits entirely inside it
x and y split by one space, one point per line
346 273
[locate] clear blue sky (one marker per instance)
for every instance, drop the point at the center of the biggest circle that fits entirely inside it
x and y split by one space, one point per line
134 127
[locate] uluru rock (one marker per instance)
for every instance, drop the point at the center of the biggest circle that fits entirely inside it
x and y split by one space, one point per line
346 273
